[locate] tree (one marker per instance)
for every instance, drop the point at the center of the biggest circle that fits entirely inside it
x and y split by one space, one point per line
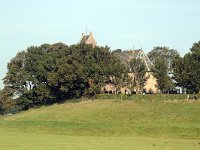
16 75
164 82
100 66
27 72
196 47
118 79
187 69
164 53
67 80
52 73
7 105
179 74
195 66
138 73
1 104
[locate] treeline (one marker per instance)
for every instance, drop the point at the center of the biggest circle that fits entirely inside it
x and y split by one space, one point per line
186 70
50 74
171 70
54 73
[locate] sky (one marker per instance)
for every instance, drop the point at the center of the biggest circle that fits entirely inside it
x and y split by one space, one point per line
120 24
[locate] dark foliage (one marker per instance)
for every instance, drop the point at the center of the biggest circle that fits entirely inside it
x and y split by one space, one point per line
54 73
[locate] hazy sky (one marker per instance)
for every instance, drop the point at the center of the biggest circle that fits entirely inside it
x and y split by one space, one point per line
116 23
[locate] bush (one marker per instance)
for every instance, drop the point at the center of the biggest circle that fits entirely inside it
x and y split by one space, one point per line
146 97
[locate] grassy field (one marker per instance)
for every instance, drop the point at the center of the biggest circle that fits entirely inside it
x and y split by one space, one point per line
27 141
105 124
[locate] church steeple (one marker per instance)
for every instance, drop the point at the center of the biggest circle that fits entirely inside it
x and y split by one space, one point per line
88 39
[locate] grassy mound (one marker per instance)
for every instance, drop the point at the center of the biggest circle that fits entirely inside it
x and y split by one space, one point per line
168 119
113 124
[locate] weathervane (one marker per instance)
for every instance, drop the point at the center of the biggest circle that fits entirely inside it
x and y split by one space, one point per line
86 30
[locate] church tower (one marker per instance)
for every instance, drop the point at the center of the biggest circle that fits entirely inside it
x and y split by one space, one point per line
88 39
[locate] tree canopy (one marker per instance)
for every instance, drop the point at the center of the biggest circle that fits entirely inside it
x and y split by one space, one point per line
187 69
164 82
196 47
163 52
54 73
47 74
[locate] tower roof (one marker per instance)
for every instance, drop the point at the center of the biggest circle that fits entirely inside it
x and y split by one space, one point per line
88 39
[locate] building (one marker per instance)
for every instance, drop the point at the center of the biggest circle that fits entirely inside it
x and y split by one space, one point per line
88 39
125 57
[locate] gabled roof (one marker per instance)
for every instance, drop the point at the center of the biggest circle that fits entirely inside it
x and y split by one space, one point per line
88 39
126 56
84 39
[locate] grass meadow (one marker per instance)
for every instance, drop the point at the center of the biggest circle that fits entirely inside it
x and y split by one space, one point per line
118 123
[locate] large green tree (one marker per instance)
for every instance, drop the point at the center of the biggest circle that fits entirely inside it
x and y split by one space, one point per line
100 66
187 69
53 73
195 66
179 74
164 82
165 53
67 80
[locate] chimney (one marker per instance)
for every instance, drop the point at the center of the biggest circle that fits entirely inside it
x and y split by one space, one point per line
91 33
83 34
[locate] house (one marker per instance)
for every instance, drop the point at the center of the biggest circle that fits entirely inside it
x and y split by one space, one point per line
126 56
88 39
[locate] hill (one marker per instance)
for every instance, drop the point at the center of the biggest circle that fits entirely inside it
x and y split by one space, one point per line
113 122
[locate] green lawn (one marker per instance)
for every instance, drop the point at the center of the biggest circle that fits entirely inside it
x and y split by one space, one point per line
28 141
105 124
